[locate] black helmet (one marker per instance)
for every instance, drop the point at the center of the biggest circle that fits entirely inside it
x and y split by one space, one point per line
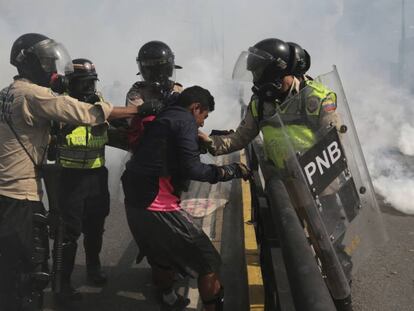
156 62
37 57
302 61
265 64
82 81
269 59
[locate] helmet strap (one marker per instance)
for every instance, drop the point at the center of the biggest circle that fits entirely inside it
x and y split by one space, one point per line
268 91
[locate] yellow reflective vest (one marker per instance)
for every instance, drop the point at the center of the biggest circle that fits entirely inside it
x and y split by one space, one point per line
300 116
83 147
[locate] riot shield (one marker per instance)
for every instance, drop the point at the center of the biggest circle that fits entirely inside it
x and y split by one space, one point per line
325 173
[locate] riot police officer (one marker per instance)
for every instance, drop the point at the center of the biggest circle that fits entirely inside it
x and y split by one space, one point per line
156 64
292 111
26 108
277 70
84 195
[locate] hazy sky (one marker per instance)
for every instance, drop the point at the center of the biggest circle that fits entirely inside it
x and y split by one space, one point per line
361 37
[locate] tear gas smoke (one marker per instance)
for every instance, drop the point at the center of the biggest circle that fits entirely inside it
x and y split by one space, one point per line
361 37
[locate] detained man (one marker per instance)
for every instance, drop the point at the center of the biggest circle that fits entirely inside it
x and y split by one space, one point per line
162 165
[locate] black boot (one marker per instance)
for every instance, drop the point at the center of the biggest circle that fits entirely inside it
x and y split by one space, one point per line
96 275
92 242
67 293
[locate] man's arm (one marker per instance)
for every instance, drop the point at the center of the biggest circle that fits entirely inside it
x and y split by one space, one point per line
193 168
247 130
124 112
62 108
66 109
189 154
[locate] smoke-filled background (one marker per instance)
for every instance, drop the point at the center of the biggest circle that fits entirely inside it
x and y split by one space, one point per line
363 38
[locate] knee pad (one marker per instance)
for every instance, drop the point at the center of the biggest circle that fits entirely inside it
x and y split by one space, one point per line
217 301
40 238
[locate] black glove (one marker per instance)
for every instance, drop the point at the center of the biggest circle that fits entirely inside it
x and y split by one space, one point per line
234 170
220 132
92 99
171 99
150 107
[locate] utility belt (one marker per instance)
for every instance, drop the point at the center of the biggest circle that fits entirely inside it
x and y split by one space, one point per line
81 158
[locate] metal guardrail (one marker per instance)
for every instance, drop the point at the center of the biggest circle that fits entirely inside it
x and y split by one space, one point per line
292 278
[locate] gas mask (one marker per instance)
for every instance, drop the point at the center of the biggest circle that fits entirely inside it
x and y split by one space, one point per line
269 91
59 83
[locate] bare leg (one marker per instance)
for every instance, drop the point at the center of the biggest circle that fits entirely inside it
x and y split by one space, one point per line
209 287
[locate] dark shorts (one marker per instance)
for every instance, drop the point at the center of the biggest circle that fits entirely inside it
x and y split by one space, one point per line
171 240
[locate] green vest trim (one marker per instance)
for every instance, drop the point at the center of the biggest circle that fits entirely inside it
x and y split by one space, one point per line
83 149
301 120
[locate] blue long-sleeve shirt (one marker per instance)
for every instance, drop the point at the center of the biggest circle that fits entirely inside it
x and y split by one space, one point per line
169 147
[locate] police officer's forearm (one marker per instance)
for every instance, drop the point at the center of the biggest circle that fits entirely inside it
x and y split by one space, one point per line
123 112
244 134
225 144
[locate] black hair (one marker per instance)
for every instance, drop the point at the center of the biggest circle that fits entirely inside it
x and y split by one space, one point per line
196 94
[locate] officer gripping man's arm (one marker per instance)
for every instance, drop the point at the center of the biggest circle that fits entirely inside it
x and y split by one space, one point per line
26 108
272 65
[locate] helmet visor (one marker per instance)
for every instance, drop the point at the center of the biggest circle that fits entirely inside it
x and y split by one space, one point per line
84 86
155 61
157 72
251 64
53 57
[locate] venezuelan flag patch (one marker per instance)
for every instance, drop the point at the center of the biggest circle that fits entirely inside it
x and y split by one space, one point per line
329 104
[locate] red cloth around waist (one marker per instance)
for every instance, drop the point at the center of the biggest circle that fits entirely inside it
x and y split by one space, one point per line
165 201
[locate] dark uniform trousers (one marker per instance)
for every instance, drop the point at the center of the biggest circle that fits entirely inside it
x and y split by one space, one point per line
84 203
24 249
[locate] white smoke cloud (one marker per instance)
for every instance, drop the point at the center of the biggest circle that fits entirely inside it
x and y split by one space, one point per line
406 139
384 119
361 37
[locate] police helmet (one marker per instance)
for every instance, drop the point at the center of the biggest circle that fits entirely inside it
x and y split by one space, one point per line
82 81
37 57
269 59
302 60
156 62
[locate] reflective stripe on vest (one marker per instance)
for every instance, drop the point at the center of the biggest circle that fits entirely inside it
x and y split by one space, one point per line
83 149
299 127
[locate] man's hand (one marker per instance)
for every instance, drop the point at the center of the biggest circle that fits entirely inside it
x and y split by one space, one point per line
203 137
204 142
234 170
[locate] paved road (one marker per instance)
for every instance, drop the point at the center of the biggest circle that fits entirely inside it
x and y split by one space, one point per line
130 287
386 281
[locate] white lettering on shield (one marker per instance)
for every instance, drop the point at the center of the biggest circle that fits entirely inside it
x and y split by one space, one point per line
323 162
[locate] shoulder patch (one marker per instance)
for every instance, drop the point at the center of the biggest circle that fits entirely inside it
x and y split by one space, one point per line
312 103
329 103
